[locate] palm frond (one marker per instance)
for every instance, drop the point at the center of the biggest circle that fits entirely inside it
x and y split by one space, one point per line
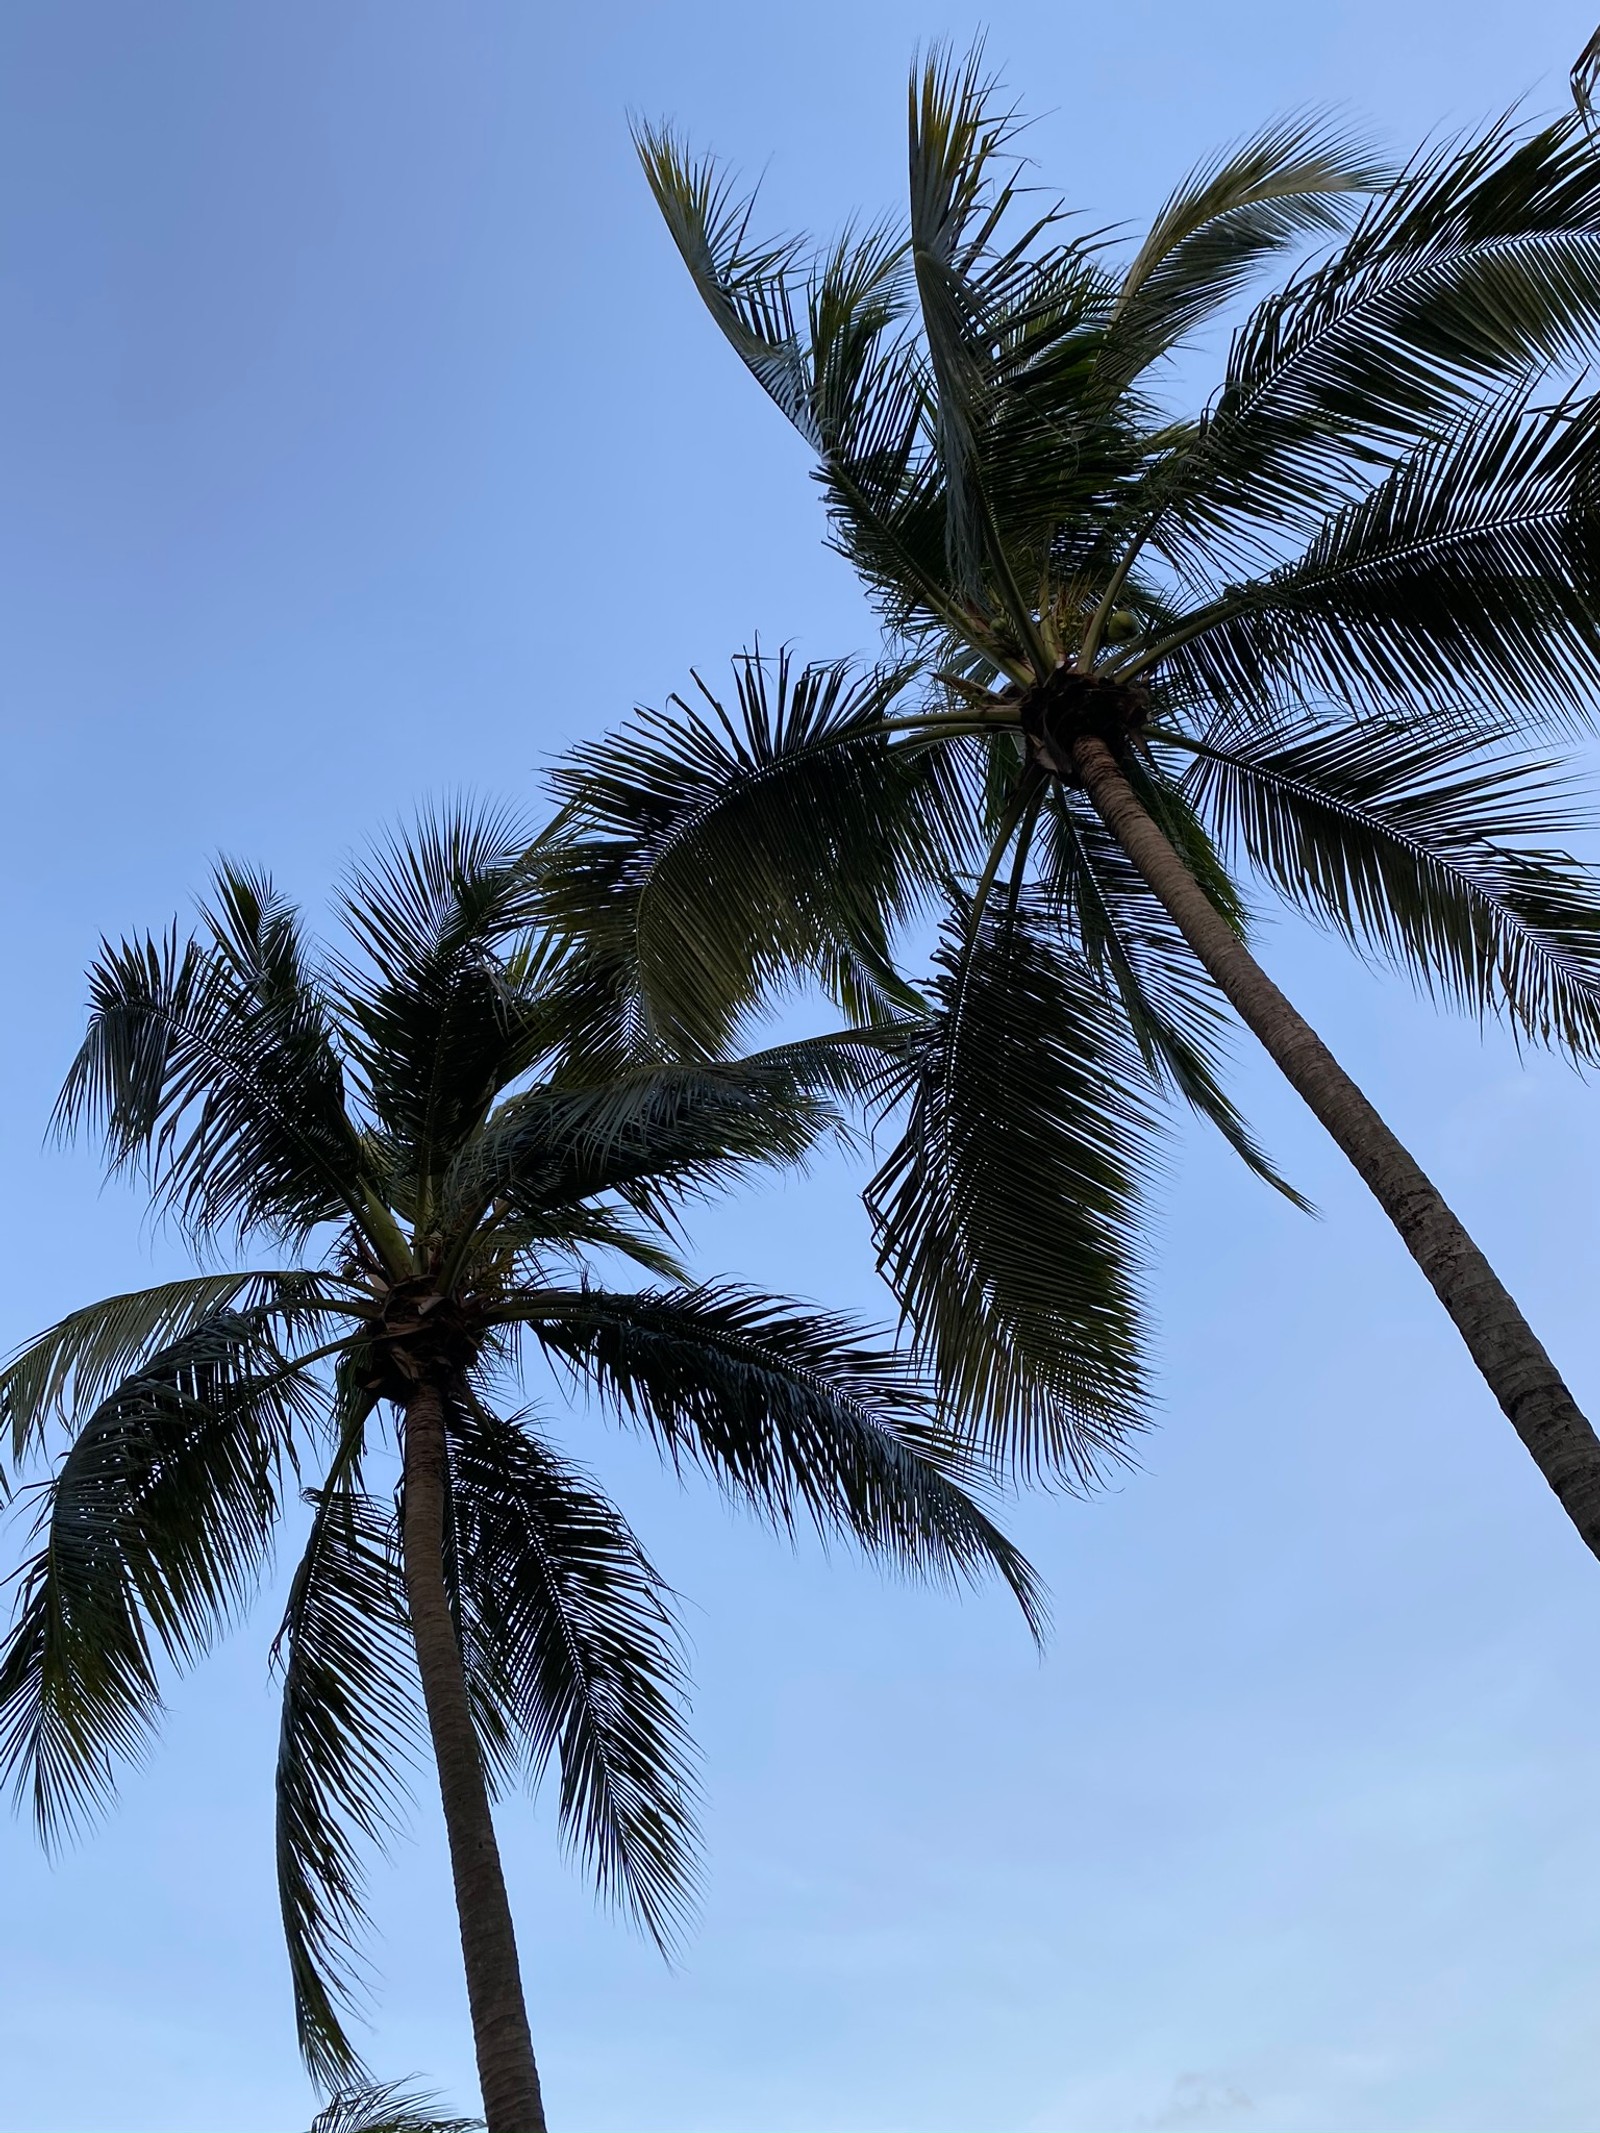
76 1363
795 1413
577 1233
747 284
571 1651
387 2107
347 1733
651 1135
1295 178
152 1533
213 1069
1585 75
1008 1214
1420 848
717 850
1469 570
442 1018
1479 267
806 320
960 196
1174 1014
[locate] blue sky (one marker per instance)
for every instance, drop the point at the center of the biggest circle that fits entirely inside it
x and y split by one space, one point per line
363 442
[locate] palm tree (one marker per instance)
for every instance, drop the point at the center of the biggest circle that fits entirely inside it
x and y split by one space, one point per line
1328 628
441 1188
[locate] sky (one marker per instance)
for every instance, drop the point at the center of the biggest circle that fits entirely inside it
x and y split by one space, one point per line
364 443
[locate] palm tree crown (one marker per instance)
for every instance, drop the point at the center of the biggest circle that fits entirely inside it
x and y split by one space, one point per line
404 1121
1324 632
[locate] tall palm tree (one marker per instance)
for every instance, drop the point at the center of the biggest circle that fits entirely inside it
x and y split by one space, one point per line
442 1190
1327 627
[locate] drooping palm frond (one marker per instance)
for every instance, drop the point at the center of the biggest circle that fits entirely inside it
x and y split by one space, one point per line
1173 1012
213 1068
715 851
1425 850
571 1651
1008 1214
347 1734
793 1413
823 330
72 1366
152 1533
555 1237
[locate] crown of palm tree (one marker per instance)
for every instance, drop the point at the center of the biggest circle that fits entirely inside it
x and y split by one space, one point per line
1332 627
407 1121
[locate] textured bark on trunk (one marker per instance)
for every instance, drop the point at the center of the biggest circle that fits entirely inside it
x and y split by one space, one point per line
506 2070
1499 1339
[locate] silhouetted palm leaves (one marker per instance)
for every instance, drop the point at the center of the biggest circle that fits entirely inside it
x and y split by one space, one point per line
1335 620
426 1125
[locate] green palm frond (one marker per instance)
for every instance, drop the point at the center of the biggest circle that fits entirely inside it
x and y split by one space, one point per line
71 1367
895 414
1174 1014
1295 178
1008 1215
806 320
1467 572
651 1135
387 2107
961 195
441 1019
1478 267
795 1413
958 529
347 1734
748 285
571 1651
714 850
576 1234
152 1532
1423 850
213 1069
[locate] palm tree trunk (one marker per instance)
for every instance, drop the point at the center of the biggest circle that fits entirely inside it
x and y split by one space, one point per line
506 2071
1499 1339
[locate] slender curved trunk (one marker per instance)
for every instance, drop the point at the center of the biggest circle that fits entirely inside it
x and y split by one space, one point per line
506 2071
1499 1339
